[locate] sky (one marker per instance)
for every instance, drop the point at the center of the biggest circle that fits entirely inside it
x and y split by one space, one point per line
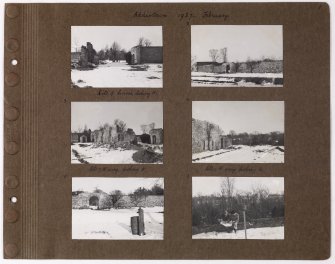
134 114
241 41
126 185
242 116
211 185
126 36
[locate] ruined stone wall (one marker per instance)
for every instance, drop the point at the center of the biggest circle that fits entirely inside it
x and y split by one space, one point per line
261 67
81 201
158 134
136 55
74 137
129 136
200 136
149 201
151 54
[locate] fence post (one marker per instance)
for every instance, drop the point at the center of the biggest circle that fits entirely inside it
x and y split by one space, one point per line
141 222
245 224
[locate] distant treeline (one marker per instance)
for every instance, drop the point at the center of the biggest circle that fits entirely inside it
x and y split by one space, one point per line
256 138
206 210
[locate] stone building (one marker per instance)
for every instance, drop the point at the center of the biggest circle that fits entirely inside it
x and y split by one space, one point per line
141 55
208 136
101 200
82 137
88 55
91 200
110 134
156 136
144 138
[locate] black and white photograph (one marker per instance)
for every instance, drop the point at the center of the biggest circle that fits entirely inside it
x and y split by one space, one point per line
117 208
237 55
116 56
238 208
116 132
238 132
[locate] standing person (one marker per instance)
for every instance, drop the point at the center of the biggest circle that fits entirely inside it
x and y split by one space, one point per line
235 218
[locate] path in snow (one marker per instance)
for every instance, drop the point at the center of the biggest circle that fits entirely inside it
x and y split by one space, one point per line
119 74
245 154
252 233
115 224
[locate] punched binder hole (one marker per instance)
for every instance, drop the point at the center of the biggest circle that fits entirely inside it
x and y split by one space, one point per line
13 199
14 62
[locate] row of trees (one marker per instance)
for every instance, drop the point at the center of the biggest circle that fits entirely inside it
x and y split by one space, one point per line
120 125
258 203
136 197
115 53
255 138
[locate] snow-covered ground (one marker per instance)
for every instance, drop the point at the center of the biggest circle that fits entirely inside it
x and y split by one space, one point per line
242 154
103 154
119 74
228 79
115 224
252 233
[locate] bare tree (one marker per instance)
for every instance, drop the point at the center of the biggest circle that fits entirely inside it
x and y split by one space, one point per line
237 65
214 54
251 64
116 195
114 51
144 42
141 41
121 125
144 129
224 56
227 190
147 43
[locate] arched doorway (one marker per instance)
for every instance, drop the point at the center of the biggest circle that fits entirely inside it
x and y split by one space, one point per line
154 139
94 202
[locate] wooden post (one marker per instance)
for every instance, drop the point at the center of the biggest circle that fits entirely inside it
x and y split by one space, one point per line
245 225
134 225
141 222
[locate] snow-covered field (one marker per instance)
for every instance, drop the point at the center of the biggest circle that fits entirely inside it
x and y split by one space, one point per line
242 154
101 155
119 74
90 153
228 79
252 233
115 224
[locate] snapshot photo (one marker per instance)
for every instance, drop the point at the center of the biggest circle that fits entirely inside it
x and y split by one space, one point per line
238 132
117 208
116 56
116 132
237 55
238 208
